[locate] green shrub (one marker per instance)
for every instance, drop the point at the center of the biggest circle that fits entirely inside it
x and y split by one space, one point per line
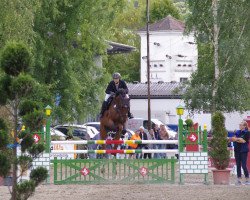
219 152
15 58
25 190
39 175
189 123
27 140
24 162
36 149
4 165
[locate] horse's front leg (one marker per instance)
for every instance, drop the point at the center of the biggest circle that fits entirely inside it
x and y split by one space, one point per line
103 134
118 135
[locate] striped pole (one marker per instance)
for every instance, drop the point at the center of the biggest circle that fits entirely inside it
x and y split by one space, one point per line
116 142
113 151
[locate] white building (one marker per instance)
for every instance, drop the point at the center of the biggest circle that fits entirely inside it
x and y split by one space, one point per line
173 55
165 99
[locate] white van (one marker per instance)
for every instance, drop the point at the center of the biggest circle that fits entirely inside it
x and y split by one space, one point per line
135 123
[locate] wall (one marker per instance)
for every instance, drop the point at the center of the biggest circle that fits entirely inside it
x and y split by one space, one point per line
165 47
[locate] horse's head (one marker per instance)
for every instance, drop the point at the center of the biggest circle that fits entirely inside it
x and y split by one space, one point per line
121 101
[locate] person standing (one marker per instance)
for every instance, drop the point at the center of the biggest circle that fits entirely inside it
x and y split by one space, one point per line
164 136
136 136
241 141
144 136
156 136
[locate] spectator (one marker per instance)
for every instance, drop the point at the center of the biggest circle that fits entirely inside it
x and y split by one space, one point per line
156 136
136 136
241 141
144 136
164 136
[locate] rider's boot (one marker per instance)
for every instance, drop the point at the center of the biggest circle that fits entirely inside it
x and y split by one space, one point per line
130 115
104 108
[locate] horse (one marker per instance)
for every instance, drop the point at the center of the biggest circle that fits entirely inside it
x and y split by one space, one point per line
115 117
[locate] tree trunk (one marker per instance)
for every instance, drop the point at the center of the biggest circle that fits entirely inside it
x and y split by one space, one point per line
14 186
216 55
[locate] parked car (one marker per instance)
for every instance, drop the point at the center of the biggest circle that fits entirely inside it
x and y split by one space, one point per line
97 125
72 130
93 124
55 132
135 123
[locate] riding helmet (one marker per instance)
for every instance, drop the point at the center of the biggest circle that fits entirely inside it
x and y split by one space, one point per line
116 75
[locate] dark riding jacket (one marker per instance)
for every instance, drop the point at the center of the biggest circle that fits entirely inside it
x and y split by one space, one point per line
111 87
242 147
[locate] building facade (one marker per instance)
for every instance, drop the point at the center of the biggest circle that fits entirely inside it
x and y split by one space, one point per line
173 55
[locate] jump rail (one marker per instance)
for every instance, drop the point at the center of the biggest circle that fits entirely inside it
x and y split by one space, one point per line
116 142
112 151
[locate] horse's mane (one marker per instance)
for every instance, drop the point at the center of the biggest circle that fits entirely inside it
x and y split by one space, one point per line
121 92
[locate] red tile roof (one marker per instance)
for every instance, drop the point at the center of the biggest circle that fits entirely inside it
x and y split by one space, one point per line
166 24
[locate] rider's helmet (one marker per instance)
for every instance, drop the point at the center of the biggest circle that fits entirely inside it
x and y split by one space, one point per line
116 75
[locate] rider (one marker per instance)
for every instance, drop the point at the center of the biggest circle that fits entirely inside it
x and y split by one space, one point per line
113 87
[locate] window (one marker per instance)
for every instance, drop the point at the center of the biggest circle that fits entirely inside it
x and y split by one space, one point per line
183 80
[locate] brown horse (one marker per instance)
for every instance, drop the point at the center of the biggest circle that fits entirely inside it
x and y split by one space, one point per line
115 117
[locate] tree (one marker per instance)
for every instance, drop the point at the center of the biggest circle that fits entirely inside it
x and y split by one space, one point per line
221 30
69 38
16 85
64 38
162 8
17 20
218 152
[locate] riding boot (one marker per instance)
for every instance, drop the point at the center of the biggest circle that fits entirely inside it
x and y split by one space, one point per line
104 108
130 115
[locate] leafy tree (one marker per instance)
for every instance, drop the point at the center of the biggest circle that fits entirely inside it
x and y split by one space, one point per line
69 40
17 20
162 8
221 30
16 85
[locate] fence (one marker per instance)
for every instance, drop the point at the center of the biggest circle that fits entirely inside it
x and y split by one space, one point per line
110 171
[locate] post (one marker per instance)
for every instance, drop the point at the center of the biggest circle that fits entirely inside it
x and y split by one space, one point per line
48 110
48 137
204 142
180 134
148 68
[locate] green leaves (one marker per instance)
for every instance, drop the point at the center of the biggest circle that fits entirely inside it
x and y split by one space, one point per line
161 9
38 175
219 153
15 59
5 165
231 88
25 190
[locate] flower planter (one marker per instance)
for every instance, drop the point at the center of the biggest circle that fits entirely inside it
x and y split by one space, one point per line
221 177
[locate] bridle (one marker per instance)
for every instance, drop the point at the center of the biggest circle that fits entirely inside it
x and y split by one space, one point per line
120 105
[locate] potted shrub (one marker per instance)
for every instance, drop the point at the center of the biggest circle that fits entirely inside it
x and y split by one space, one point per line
218 150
